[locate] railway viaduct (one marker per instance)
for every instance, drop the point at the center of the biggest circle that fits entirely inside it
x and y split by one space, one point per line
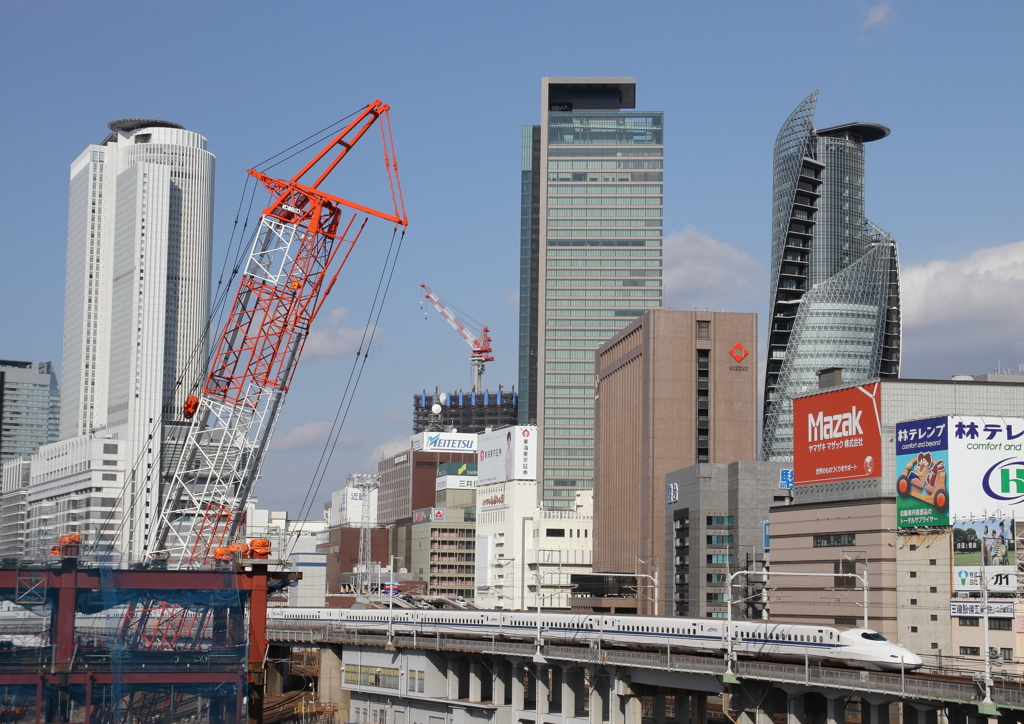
439 680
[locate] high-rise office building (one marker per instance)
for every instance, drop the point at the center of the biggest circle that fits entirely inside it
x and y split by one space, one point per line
137 298
835 290
29 408
674 388
590 258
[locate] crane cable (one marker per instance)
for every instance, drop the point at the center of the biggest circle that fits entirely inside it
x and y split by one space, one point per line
348 394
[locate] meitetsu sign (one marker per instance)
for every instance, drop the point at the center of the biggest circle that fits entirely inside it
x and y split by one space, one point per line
457 442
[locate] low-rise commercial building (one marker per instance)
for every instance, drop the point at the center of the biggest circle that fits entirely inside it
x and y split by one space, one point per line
716 518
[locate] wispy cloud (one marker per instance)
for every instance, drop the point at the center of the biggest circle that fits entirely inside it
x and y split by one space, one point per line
333 341
878 15
964 316
704 273
313 434
386 449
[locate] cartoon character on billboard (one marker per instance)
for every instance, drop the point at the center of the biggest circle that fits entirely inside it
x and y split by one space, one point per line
925 479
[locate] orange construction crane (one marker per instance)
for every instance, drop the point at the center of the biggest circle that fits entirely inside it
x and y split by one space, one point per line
480 344
292 266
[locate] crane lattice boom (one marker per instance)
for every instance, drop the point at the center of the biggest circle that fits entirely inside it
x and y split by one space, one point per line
481 345
284 284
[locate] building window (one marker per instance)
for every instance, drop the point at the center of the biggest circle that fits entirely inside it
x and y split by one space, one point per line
1000 624
913 574
932 562
1006 654
835 540
719 520
935 617
970 651
109 449
970 621
933 589
703 330
703 405
913 629
913 602
913 547
935 644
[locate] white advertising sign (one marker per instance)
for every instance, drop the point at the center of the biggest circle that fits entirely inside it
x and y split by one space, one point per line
964 608
507 454
959 468
457 442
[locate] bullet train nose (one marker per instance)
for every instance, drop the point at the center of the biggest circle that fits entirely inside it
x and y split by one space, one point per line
910 660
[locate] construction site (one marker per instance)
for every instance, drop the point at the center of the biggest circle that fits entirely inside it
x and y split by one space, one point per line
93 634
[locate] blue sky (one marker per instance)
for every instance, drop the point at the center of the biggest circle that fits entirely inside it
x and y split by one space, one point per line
462 79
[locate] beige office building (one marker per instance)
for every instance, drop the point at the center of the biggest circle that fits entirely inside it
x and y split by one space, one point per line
673 389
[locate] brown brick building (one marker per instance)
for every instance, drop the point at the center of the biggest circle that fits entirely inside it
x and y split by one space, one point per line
673 389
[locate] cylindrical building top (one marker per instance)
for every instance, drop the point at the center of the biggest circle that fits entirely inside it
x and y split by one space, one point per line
127 125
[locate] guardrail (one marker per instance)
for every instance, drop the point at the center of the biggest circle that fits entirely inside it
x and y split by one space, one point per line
907 687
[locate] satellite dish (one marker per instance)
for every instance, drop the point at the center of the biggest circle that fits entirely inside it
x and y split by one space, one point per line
444 398
436 409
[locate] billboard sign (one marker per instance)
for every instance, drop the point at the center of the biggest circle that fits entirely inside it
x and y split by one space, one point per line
456 442
984 547
922 473
837 435
786 479
507 454
959 468
967 608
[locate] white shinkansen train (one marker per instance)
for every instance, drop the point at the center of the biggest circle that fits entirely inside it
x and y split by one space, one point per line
854 647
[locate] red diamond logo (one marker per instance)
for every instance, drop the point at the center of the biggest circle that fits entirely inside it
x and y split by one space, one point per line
739 352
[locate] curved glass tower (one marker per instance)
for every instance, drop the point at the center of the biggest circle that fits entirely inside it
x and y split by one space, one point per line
835 290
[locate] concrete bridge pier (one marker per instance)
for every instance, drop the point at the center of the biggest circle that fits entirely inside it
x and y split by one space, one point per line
518 686
795 709
913 714
598 694
542 689
682 709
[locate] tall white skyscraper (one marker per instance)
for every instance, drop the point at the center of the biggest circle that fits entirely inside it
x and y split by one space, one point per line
137 299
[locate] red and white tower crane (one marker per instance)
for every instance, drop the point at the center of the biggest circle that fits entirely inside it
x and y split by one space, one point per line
480 344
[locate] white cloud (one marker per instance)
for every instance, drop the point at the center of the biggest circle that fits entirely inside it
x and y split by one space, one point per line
704 273
963 316
333 340
313 434
877 15
386 449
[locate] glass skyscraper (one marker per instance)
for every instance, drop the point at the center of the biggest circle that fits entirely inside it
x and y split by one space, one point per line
835 289
591 258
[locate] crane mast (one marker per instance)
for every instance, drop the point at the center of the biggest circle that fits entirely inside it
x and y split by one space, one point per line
481 345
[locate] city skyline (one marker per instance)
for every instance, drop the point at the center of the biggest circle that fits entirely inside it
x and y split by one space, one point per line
920 72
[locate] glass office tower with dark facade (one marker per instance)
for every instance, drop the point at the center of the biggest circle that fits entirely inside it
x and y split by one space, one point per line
835 290
591 238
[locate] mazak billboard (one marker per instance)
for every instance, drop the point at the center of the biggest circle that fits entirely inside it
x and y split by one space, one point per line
507 454
959 468
836 435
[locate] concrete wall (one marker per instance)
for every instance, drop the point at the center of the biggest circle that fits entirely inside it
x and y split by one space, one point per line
793 549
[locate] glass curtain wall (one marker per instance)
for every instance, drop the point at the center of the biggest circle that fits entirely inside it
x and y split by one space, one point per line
602 257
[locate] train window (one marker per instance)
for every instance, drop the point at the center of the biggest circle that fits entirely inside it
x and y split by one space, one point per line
872 636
